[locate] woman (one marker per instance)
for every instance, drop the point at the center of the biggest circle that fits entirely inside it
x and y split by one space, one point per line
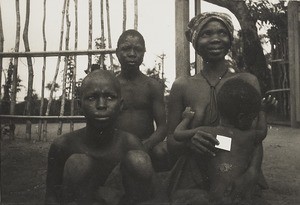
211 35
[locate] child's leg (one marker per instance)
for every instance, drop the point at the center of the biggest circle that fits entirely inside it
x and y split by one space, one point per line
138 177
77 176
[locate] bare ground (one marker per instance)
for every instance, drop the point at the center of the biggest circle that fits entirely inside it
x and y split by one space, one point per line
24 163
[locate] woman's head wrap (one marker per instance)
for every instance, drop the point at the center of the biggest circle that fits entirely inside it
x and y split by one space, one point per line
197 23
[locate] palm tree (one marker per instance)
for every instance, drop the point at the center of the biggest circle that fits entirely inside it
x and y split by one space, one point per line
56 87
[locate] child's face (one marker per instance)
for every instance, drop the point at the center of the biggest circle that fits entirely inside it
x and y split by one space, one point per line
246 120
131 52
100 101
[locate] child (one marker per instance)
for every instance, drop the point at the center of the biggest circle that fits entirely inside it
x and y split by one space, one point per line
82 165
239 104
143 99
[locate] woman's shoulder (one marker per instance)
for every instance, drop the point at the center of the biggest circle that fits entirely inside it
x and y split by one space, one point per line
185 81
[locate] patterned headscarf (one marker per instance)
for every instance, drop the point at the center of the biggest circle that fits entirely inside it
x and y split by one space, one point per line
197 23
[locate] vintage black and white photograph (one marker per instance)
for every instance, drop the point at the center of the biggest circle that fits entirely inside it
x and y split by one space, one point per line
150 102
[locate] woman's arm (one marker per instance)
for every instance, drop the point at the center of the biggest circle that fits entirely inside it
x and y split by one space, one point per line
175 109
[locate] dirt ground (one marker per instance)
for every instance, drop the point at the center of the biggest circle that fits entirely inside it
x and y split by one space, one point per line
23 166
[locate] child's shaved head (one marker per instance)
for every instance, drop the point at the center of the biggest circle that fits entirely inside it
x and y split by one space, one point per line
131 32
100 75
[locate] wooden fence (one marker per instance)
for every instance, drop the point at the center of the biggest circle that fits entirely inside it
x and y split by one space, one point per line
62 52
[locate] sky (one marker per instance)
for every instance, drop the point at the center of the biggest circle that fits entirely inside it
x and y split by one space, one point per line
156 22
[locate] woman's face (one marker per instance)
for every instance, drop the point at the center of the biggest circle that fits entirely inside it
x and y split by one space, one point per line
213 41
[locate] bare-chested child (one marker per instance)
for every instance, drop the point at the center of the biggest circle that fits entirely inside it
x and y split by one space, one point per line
81 163
143 97
239 104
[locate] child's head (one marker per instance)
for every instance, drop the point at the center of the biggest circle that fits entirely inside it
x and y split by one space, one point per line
100 98
134 33
238 102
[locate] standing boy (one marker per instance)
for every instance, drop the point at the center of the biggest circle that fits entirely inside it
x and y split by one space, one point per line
81 163
239 105
143 96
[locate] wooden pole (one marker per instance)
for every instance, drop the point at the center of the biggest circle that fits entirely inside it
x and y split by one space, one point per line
182 49
294 60
30 71
124 15
75 65
63 95
136 14
1 65
198 59
57 66
43 71
102 57
55 53
90 34
1 50
15 70
109 34
58 60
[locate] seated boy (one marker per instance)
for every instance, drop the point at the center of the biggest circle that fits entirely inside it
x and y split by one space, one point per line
239 104
82 165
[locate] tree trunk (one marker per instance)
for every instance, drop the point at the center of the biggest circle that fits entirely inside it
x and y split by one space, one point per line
15 71
75 65
109 34
30 71
63 95
58 60
43 72
90 35
102 56
124 15
252 49
136 14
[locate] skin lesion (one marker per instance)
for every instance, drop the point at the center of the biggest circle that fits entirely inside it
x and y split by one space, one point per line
225 167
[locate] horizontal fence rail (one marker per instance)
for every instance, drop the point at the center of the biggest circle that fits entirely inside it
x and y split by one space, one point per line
9 117
55 53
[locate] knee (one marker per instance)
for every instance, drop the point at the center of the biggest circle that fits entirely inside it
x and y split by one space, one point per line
138 163
77 167
159 152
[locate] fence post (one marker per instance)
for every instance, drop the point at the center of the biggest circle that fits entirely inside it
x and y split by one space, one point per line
182 48
294 60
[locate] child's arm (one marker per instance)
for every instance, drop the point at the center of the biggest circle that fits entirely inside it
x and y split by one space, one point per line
56 159
181 132
261 126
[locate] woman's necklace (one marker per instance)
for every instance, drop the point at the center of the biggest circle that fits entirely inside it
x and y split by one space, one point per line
219 79
213 108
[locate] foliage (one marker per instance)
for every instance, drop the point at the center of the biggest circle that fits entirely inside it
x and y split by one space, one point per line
69 76
5 101
100 44
272 14
56 86
155 74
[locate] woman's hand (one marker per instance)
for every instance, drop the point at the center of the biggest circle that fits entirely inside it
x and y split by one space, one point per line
203 142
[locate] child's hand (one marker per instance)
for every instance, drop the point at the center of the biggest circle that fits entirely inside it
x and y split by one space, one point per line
188 113
268 103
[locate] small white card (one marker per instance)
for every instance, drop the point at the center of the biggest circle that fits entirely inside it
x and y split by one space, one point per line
225 142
